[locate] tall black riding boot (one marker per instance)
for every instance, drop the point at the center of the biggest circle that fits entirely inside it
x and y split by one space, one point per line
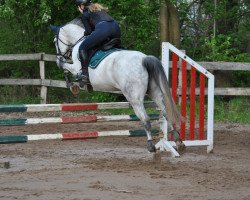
84 76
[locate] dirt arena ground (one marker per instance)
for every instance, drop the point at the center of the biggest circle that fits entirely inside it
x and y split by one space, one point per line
115 168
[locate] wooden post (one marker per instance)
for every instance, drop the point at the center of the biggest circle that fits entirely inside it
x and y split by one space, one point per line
42 76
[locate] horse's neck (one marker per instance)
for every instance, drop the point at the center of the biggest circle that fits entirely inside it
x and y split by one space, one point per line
73 32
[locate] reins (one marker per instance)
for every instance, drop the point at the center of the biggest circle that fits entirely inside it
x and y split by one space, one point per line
68 53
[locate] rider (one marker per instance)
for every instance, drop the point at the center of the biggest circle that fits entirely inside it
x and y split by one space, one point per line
99 26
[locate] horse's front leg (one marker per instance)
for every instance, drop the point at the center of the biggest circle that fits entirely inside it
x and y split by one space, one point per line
75 89
74 68
67 78
140 112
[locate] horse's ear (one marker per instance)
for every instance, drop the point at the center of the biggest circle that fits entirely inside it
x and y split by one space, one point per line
54 28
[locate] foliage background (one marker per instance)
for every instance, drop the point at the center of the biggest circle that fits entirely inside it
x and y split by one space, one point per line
209 32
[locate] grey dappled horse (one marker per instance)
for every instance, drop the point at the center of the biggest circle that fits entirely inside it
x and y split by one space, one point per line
131 72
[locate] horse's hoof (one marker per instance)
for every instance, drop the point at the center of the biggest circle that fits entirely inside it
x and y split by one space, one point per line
151 146
180 147
75 89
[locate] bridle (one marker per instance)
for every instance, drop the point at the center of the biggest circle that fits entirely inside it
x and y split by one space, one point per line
68 54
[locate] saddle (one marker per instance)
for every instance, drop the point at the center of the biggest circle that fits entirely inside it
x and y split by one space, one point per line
113 43
107 45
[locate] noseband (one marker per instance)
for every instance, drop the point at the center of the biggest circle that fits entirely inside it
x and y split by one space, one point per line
68 54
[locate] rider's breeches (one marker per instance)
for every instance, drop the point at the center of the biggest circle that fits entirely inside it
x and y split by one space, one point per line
103 31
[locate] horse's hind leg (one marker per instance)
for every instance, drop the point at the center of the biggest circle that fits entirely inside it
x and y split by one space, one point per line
140 112
155 93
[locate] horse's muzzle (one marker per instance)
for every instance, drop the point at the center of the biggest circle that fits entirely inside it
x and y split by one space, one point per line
60 61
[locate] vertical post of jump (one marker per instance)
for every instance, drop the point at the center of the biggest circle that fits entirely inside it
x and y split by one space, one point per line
42 76
191 136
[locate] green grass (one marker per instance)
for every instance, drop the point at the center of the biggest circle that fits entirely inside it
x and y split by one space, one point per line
234 110
19 95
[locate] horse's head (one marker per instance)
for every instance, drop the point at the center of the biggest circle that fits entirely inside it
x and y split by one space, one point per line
66 37
61 42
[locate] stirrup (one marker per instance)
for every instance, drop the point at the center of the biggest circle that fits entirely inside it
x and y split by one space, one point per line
80 76
82 79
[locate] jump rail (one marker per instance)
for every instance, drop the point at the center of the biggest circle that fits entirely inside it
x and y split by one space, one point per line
68 107
72 135
70 119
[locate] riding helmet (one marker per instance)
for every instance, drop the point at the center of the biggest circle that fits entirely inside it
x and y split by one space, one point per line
84 2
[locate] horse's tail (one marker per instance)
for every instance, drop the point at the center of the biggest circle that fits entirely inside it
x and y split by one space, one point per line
156 73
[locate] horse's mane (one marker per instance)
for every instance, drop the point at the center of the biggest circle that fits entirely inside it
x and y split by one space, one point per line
77 21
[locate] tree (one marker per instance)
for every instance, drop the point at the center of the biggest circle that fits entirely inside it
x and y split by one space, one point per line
27 22
197 20
169 23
